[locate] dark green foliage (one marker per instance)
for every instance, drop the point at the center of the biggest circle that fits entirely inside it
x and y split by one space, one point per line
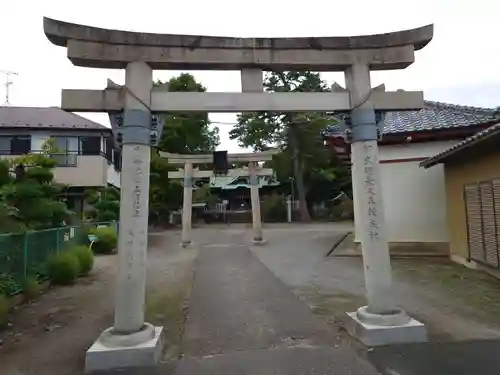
92 196
8 285
85 259
105 204
187 132
274 208
31 288
203 194
4 172
39 174
108 240
183 132
106 216
165 195
304 157
30 201
63 268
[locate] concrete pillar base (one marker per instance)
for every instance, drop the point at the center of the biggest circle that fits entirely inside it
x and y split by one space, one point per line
259 241
185 244
114 351
385 329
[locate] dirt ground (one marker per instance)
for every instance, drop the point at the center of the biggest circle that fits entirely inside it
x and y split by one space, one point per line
50 336
454 302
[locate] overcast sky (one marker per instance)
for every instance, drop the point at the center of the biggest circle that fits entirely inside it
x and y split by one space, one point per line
461 65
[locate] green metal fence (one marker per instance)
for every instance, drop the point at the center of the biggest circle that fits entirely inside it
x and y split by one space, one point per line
25 254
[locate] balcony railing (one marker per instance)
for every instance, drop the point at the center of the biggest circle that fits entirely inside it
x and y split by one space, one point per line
64 159
68 159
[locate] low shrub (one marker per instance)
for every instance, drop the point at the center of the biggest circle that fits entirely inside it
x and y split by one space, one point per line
107 240
4 310
8 285
32 288
63 268
85 259
344 210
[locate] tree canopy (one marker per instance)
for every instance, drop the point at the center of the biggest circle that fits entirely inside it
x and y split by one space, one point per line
187 132
304 159
29 198
105 204
183 132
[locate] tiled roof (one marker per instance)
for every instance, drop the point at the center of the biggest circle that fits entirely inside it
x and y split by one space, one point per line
433 160
44 118
227 182
433 116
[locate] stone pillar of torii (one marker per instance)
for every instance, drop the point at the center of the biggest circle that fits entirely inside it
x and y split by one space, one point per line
133 342
188 174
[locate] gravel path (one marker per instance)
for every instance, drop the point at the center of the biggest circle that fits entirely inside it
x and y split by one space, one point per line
243 320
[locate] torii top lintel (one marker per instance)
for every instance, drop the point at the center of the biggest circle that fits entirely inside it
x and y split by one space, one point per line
114 49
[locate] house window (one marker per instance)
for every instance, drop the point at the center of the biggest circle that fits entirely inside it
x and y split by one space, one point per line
5 145
90 145
108 149
66 151
117 160
20 145
15 145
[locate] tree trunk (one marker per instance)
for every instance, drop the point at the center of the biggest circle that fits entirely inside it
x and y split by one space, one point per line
299 177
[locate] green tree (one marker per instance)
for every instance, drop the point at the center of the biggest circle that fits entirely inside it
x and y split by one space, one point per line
165 195
299 136
183 132
187 132
105 204
203 194
30 198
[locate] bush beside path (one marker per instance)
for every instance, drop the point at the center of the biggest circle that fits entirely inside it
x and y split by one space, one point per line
50 335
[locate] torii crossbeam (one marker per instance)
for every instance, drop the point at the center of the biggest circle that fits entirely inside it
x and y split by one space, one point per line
188 173
131 341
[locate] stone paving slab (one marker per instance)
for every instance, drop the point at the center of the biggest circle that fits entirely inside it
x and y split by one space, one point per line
279 361
243 320
237 304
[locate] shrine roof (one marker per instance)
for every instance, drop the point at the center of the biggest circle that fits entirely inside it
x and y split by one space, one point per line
235 182
434 116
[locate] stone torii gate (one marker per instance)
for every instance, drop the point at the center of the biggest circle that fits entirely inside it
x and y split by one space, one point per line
131 341
189 173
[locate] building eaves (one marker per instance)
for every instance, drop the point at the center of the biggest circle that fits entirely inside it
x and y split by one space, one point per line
45 118
434 116
466 143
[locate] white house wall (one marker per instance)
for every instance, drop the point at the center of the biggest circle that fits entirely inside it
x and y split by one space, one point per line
113 176
413 150
414 197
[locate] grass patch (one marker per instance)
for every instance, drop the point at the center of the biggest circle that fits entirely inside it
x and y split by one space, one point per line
32 288
332 306
169 309
475 293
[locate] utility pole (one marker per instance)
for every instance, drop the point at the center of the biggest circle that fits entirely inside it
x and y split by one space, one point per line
8 81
